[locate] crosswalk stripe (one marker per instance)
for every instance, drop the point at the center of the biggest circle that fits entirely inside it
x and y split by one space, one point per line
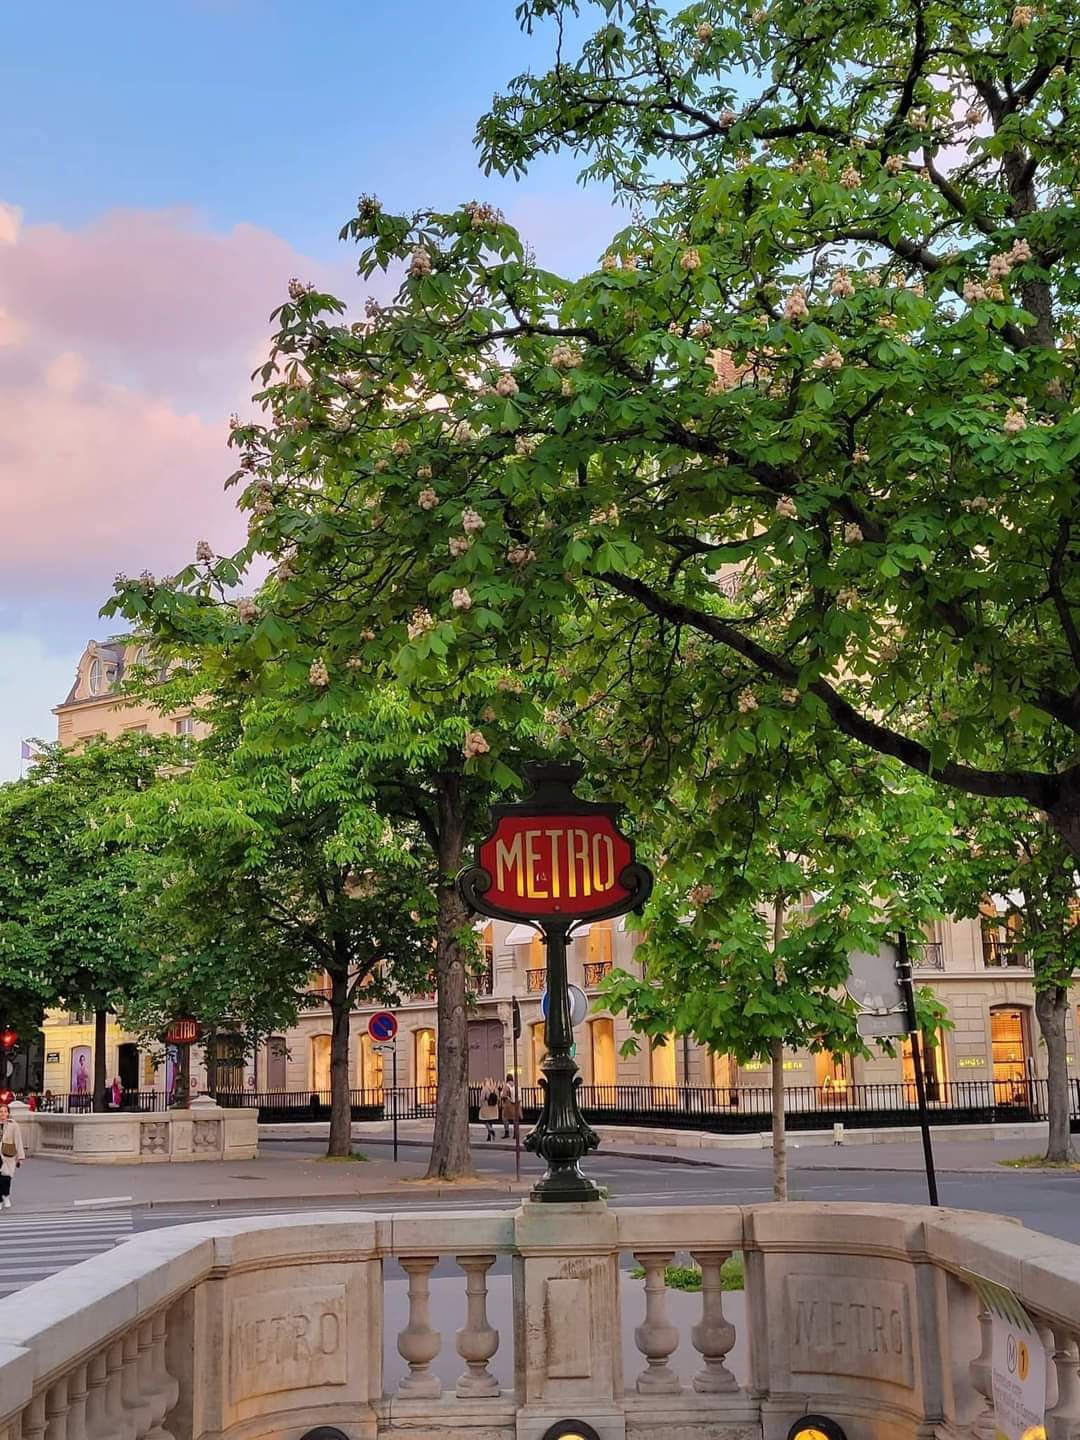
34 1247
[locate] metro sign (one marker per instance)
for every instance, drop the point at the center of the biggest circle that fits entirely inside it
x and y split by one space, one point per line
183 1032
555 856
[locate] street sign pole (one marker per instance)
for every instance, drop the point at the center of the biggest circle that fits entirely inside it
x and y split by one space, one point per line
516 1027
907 985
556 861
393 1102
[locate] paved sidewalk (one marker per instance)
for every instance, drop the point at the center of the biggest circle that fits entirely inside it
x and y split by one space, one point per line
45 1185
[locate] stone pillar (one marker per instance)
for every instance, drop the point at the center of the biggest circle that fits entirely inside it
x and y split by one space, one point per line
1063 1417
714 1334
477 1340
418 1343
567 1339
656 1337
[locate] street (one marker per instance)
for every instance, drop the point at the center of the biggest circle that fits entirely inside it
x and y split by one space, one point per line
35 1245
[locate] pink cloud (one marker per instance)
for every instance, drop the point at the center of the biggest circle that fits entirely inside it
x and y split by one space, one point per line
123 346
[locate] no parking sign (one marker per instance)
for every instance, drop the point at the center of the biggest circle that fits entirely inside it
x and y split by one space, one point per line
382 1026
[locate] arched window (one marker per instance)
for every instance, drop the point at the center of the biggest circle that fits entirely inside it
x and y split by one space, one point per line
427 1059
602 1050
369 1065
662 1061
320 1062
96 677
539 1049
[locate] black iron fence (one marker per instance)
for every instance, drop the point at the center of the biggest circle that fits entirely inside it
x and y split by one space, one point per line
81 1102
733 1110
730 1111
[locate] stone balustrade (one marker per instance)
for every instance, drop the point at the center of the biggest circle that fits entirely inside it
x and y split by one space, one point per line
129 1137
249 1330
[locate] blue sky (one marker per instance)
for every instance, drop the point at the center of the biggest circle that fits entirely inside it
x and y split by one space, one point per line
165 166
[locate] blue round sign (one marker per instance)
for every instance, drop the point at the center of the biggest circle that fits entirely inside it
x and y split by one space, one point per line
579 1005
382 1026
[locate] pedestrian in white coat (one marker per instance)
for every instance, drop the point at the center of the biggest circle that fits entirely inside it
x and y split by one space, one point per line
12 1153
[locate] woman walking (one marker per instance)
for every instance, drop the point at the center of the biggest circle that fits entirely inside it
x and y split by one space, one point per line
12 1153
489 1105
508 1104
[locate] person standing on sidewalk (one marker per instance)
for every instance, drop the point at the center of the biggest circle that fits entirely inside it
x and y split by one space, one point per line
12 1154
508 1104
489 1104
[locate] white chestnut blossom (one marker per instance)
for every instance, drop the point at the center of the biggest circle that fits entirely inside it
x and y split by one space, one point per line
999 266
795 307
1022 16
790 695
690 259
474 745
422 621
1020 251
506 386
702 330
704 32
461 600
847 597
609 262
747 702
471 521
566 357
423 472
701 894
1015 421
850 178
786 508
873 278
526 445
918 118
247 611
297 289
401 448
607 516
842 286
831 360
318 675
974 290
726 119
894 164
629 262
286 569
420 264
860 455
853 534
975 115
427 499
367 634
203 552
520 555
459 545
463 432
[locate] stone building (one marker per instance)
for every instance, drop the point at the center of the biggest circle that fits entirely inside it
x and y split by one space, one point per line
977 968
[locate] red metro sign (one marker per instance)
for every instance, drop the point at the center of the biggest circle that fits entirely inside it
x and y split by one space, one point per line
554 856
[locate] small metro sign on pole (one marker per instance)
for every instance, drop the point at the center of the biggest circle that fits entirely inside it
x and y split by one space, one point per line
555 861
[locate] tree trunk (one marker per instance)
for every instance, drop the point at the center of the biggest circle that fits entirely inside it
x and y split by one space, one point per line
1051 1006
779 1132
101 1078
210 1058
450 1153
340 1100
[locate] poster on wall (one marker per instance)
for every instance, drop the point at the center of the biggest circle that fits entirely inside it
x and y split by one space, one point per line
1018 1366
81 1070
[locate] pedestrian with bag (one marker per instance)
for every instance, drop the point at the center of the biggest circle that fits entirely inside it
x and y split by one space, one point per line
489 1105
509 1104
12 1153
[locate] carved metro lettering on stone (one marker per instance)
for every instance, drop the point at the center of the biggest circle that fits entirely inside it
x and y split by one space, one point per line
849 1325
286 1340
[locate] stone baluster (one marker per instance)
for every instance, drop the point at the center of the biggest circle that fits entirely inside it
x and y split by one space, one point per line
130 1386
477 1340
56 1410
97 1382
714 1335
1063 1417
77 1392
33 1419
981 1371
143 1387
418 1343
656 1337
166 1390
119 1423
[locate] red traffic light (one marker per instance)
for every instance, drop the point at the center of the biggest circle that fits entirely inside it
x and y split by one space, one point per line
8 1038
6 1097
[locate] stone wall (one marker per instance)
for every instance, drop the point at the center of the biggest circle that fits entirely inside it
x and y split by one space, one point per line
261 1331
125 1137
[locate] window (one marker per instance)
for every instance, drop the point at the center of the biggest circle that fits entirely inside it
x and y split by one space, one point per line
662 1062
100 676
320 1063
539 1049
142 655
602 1046
136 729
426 1056
185 725
934 1068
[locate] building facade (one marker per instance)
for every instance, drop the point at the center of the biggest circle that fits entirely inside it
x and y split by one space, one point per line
977 968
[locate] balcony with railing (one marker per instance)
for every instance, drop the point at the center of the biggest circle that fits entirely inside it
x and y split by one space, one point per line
928 955
535 981
1004 953
877 1316
595 972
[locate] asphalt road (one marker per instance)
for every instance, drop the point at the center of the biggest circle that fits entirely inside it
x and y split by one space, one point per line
33 1247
